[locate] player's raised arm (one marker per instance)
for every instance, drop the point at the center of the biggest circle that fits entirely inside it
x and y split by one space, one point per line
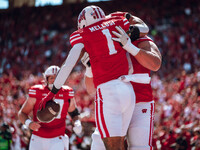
147 55
64 72
137 25
88 75
74 114
68 65
143 28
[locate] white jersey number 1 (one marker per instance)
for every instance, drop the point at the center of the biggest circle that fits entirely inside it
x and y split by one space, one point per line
111 45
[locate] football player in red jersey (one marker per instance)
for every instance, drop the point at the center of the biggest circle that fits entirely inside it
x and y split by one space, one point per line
115 99
147 59
50 136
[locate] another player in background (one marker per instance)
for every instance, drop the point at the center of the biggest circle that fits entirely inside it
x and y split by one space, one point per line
50 136
147 59
115 99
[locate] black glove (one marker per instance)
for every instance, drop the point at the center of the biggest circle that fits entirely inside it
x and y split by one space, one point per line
133 32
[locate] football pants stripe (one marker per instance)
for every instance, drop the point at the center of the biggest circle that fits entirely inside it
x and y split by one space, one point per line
151 124
97 118
102 115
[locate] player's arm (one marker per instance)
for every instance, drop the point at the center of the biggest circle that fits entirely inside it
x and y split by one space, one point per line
88 75
72 110
89 84
139 24
67 66
24 112
147 54
64 72
74 114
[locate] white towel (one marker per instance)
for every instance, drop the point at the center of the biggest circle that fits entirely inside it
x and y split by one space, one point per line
137 78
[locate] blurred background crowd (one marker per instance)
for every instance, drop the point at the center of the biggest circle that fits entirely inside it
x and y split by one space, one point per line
31 39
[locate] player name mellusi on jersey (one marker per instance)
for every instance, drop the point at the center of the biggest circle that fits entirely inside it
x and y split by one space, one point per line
101 26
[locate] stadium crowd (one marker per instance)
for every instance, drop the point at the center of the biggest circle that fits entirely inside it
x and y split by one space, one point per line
31 39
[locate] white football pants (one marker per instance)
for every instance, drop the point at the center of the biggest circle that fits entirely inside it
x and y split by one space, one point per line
114 106
140 130
57 143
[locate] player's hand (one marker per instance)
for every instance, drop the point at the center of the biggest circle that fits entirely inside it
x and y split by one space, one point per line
34 126
47 98
86 60
77 127
123 38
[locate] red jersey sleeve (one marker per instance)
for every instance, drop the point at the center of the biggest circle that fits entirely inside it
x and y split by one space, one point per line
125 24
75 38
34 91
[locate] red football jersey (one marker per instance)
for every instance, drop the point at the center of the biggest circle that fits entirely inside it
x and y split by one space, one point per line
57 126
143 92
108 59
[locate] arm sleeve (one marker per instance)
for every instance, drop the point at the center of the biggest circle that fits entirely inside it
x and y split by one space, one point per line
68 65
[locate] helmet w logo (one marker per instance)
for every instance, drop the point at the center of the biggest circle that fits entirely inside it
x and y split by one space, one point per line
81 16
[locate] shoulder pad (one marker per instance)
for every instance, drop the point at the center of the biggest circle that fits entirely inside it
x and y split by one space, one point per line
65 87
75 37
68 90
38 86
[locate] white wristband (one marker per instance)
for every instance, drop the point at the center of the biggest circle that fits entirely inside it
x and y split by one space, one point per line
132 49
77 123
88 72
27 122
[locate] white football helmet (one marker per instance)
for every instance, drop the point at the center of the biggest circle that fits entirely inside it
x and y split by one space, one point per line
52 70
89 15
